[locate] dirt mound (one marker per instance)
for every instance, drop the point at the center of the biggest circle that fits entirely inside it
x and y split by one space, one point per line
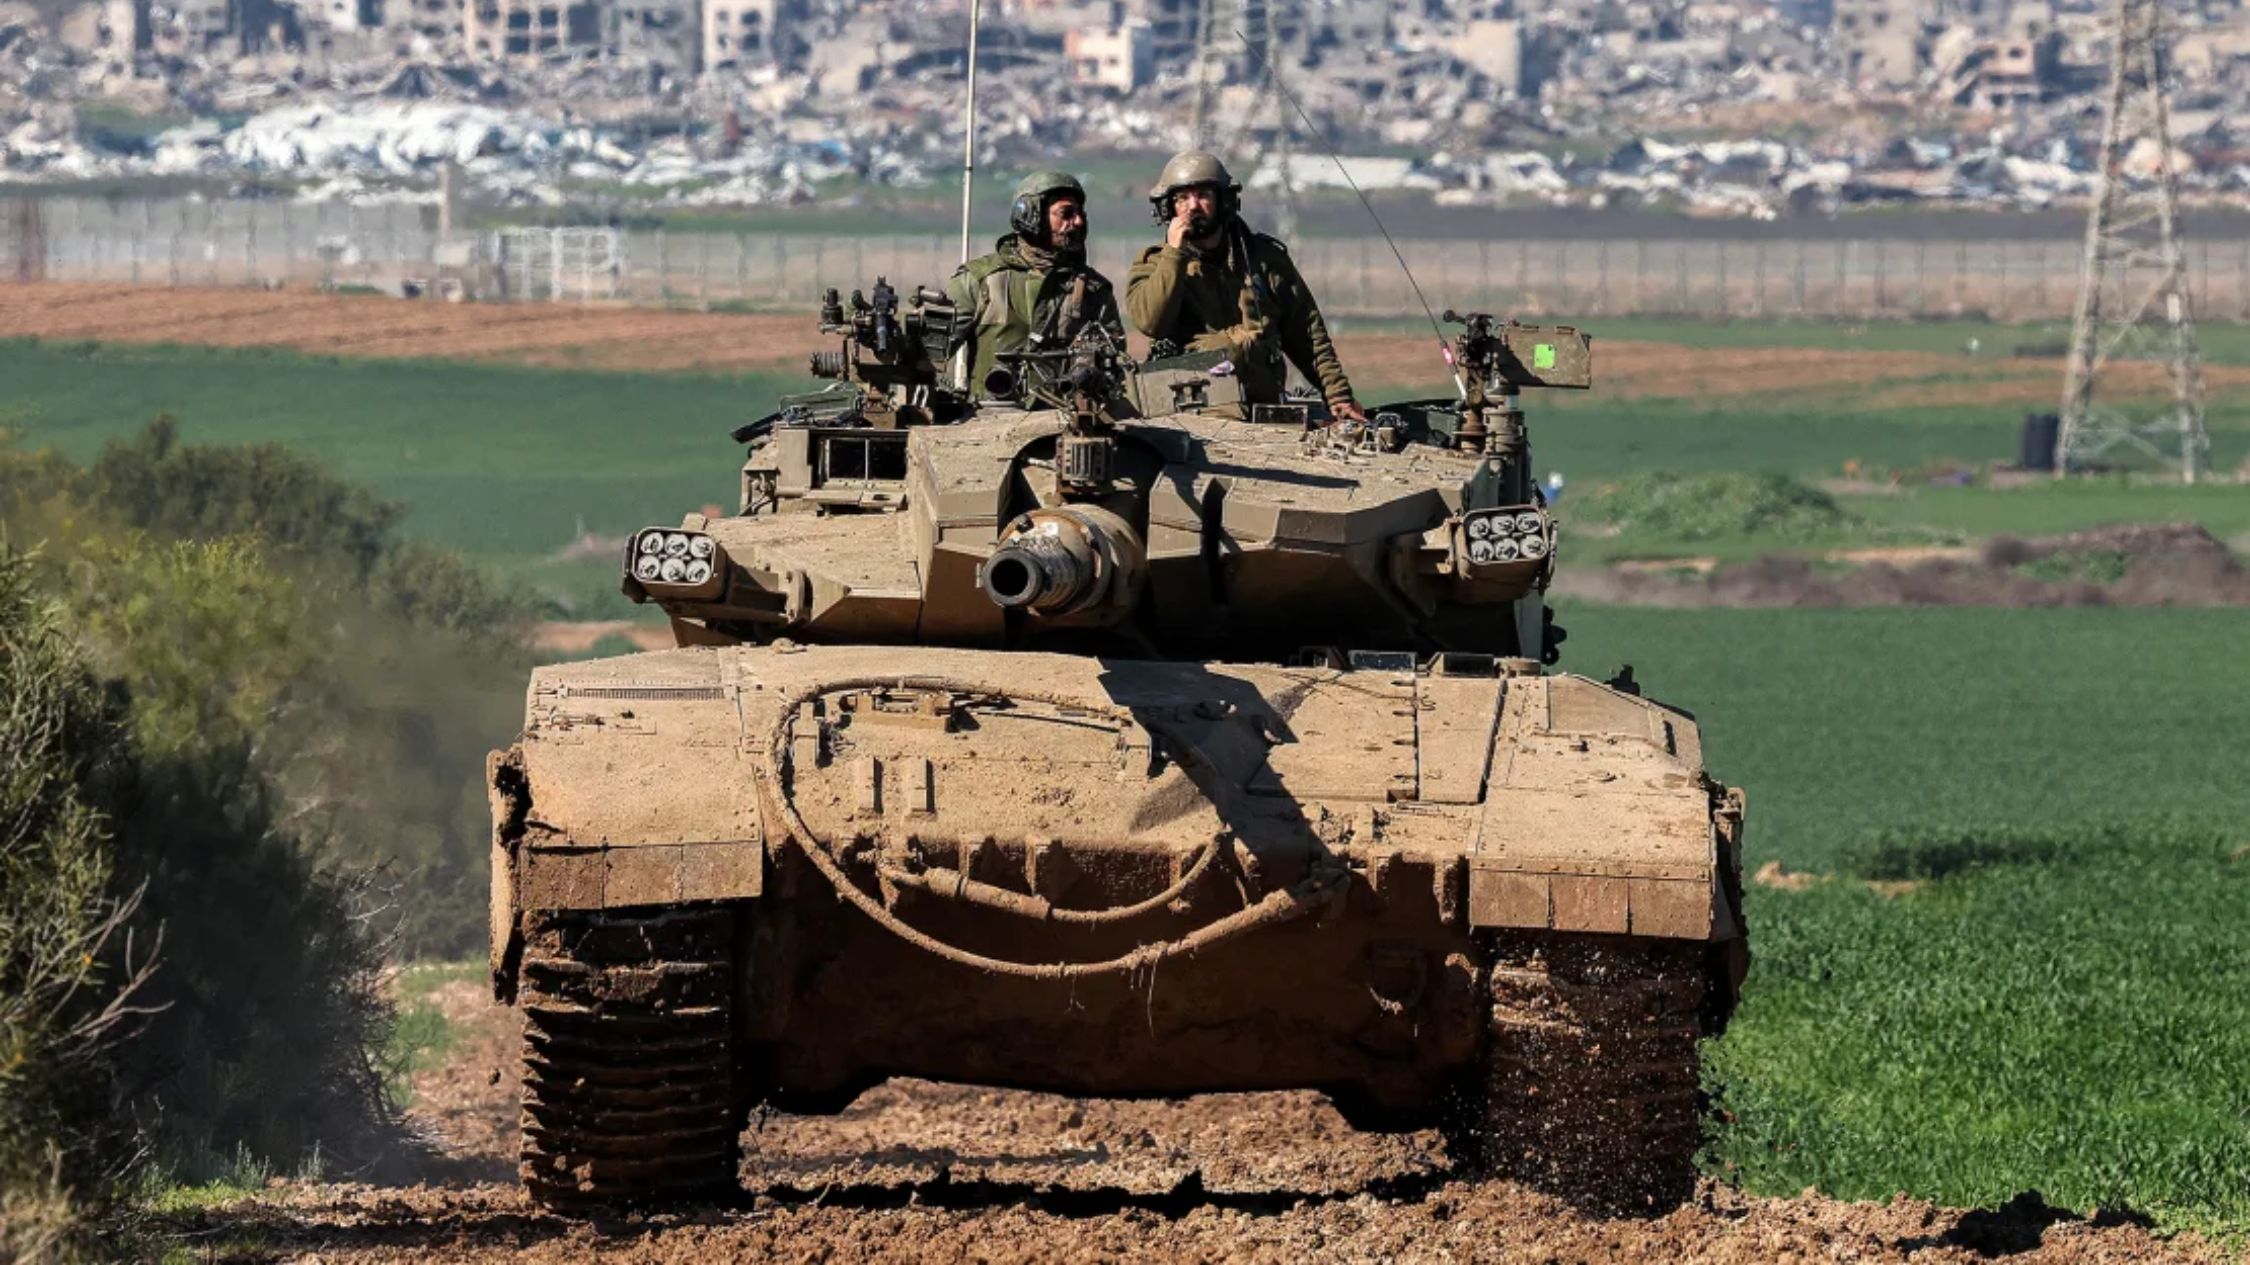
915 1171
2160 564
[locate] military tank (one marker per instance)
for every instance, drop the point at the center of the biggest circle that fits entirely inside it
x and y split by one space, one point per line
1112 736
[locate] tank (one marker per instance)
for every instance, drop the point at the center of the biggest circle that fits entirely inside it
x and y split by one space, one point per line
1109 735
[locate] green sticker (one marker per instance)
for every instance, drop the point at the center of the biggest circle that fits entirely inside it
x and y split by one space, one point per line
1543 356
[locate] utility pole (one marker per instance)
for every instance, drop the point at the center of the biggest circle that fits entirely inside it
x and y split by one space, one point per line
1206 24
1285 204
2136 260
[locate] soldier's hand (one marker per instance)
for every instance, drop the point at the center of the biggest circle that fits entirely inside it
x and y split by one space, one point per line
1346 410
1178 231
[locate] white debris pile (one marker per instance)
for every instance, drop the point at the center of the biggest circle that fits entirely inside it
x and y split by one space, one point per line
395 138
365 146
1488 109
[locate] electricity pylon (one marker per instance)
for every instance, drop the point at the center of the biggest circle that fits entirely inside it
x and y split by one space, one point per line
2135 257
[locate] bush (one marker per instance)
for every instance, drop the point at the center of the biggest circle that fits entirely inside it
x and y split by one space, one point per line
1714 507
64 997
370 673
299 707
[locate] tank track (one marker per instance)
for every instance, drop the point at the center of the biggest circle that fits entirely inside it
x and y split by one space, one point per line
1590 1084
630 1089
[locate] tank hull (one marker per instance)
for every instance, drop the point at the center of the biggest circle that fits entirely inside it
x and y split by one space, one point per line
1101 877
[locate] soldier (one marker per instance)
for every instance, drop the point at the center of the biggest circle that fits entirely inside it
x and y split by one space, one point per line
1034 291
1216 285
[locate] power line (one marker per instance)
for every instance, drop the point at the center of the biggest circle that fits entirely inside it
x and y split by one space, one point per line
2133 300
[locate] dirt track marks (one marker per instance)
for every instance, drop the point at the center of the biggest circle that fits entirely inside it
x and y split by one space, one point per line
923 1172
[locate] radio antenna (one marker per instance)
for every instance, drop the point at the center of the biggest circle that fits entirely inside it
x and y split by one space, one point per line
969 130
1273 76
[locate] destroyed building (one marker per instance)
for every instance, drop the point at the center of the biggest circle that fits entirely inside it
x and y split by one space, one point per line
1478 101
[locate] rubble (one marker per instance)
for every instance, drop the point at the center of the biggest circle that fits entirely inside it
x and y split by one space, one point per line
1729 108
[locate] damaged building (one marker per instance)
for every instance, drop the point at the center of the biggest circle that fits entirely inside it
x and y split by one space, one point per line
716 102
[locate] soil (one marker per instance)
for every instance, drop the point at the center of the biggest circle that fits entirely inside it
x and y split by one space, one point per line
611 336
917 1171
561 335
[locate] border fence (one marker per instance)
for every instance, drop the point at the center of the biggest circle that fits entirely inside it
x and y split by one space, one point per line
402 249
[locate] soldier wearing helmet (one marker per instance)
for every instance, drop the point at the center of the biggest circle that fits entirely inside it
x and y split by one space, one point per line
1216 285
1034 291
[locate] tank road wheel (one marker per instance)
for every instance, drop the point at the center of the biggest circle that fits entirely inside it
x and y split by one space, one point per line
1588 1087
630 1089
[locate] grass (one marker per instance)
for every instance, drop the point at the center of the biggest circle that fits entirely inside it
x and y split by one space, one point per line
505 464
510 464
1807 433
423 1036
2063 1003
2060 1004
2075 1020
2050 508
1846 724
2226 343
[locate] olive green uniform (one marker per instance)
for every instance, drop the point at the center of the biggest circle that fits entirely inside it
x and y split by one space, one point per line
1258 314
1016 291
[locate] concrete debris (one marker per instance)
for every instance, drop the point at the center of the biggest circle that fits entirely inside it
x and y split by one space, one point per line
1793 106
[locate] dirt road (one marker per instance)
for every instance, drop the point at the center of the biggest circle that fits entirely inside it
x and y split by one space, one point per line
922 1172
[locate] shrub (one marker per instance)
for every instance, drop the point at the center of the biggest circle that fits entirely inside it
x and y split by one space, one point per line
1714 506
249 586
66 978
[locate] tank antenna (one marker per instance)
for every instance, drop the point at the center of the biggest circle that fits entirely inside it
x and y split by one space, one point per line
1273 76
969 130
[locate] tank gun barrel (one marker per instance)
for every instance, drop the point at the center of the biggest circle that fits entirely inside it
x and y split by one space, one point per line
1079 562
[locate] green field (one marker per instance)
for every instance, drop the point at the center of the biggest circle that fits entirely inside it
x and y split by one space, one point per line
507 465
2221 342
2063 1005
510 464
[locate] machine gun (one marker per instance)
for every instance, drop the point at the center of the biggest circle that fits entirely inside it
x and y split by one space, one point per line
1498 358
895 352
1085 380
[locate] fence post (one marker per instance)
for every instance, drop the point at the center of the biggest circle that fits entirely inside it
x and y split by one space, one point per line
289 243
1797 281
1640 276
2006 303
2242 277
1679 277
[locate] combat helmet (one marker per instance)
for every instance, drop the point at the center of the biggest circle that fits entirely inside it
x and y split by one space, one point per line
1027 214
1187 169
